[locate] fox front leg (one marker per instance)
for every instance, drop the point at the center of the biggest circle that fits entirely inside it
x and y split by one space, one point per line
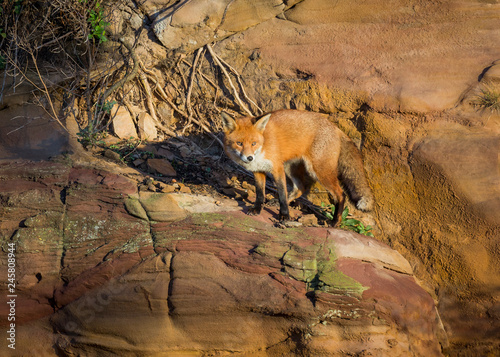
280 180
260 187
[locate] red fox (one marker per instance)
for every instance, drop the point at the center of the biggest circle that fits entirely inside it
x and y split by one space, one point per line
303 146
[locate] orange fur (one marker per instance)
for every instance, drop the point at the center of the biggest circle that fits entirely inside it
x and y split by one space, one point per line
301 145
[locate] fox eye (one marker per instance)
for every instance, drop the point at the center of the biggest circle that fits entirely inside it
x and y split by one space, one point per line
254 143
239 143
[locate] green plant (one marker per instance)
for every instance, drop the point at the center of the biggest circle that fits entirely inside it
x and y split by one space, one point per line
354 225
88 137
126 149
97 23
107 106
2 32
17 7
351 224
489 98
328 211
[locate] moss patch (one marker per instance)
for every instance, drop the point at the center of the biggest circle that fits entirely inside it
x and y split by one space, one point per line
311 261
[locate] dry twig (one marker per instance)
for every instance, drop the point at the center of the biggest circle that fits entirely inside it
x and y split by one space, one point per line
47 94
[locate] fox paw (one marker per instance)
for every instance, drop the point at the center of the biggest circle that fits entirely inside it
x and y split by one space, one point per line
284 217
254 210
365 204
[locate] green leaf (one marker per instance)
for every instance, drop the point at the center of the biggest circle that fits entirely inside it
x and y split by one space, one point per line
345 213
350 222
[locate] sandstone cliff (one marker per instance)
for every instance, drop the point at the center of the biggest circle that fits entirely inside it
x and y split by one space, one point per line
199 278
401 78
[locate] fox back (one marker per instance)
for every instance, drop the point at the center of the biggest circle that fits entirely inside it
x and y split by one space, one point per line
281 136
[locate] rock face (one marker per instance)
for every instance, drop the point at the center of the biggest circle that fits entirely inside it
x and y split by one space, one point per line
146 125
162 167
110 283
27 132
398 55
123 124
190 25
470 163
401 78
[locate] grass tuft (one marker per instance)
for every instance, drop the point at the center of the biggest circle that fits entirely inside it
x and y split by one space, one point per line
489 98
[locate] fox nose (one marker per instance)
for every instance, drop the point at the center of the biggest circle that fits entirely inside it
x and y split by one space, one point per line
249 158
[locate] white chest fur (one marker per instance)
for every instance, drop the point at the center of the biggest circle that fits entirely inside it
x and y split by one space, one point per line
258 164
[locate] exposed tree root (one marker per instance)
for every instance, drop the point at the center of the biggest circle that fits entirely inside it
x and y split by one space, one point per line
128 77
185 116
240 83
190 90
216 59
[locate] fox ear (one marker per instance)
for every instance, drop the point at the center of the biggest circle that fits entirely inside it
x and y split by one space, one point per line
228 123
260 124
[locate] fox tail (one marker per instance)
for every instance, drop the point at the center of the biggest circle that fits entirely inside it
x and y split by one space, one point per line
352 175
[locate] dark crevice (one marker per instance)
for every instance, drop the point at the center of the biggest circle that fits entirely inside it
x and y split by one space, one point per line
52 302
480 77
171 307
62 195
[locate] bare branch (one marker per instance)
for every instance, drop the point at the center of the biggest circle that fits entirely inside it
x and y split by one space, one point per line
47 94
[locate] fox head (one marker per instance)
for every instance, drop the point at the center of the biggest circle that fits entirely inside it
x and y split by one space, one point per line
244 137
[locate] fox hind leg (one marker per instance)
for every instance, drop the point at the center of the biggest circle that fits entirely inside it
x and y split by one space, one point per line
301 178
333 186
295 171
327 176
